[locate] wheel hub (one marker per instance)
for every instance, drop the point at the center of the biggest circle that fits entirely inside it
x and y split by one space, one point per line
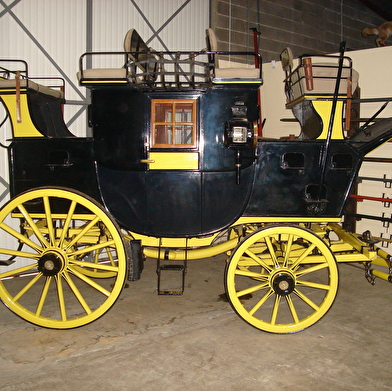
283 284
50 264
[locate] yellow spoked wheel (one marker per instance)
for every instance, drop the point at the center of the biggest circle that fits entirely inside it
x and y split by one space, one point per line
107 256
66 256
281 279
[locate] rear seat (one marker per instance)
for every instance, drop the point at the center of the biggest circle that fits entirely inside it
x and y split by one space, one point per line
227 74
31 85
107 74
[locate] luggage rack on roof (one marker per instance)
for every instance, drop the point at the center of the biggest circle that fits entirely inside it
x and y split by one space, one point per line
161 70
167 70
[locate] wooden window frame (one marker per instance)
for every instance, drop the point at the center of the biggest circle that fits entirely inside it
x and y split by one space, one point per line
173 123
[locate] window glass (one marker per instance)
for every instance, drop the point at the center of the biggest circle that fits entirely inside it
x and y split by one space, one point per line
184 134
173 123
163 112
163 134
184 112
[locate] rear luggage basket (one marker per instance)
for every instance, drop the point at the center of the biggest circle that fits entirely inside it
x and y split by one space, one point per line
162 70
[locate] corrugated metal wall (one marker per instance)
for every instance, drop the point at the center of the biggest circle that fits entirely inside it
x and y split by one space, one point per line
52 34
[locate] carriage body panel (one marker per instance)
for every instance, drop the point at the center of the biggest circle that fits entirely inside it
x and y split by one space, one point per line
67 162
192 190
283 181
288 174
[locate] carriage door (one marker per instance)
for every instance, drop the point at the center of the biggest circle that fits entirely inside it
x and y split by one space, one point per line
172 159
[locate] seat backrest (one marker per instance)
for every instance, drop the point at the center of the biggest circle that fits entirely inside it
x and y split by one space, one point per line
212 43
212 46
134 43
286 58
128 40
139 52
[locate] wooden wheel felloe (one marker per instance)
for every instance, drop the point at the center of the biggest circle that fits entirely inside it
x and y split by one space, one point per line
69 259
281 278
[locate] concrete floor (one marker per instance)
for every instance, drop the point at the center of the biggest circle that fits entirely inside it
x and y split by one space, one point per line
196 342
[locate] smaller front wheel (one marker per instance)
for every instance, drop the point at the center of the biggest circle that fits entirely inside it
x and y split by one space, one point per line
281 278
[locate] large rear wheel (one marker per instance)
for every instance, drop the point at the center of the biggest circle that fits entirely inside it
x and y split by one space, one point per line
66 256
281 278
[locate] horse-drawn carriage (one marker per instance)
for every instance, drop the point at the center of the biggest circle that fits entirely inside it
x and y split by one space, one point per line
177 169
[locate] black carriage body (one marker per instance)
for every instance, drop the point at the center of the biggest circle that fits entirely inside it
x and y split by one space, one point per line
218 169
276 178
177 201
289 180
65 162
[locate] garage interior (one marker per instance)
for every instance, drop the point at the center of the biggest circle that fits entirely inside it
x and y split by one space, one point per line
196 341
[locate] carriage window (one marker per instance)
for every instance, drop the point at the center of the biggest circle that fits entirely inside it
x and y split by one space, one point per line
293 160
342 161
173 123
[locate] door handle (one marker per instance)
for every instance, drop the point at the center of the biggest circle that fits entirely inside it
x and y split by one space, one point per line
147 161
146 154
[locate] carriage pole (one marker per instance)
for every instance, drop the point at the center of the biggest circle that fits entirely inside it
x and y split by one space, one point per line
331 119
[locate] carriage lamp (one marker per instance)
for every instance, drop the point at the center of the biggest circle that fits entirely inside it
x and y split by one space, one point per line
239 134
239 130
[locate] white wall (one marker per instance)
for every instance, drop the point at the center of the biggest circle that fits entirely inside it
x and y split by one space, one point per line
52 34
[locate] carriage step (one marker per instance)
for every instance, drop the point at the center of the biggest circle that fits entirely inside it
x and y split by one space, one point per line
169 284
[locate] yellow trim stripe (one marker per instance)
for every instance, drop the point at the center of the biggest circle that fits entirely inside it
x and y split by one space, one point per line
207 241
174 160
103 82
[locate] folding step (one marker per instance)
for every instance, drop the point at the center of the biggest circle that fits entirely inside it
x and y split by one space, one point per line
171 274
171 278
